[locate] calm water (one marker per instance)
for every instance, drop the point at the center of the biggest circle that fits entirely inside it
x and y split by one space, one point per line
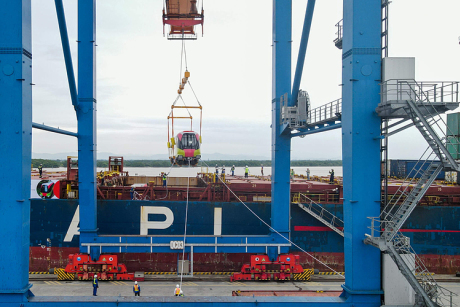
192 171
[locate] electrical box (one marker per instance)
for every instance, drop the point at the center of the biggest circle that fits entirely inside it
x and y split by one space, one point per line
297 116
398 291
394 70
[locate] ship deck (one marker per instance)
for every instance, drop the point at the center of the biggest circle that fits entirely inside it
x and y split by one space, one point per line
252 189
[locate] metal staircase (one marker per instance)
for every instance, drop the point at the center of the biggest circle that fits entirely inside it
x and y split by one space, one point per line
429 293
395 221
320 213
437 144
421 104
408 99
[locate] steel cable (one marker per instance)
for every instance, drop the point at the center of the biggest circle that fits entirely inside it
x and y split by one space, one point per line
273 229
185 230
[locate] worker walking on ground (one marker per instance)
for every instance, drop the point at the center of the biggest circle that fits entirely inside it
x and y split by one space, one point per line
233 170
177 290
292 174
136 289
246 172
95 285
164 179
262 169
40 170
331 179
308 174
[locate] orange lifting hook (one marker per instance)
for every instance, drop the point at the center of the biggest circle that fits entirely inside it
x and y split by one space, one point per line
184 81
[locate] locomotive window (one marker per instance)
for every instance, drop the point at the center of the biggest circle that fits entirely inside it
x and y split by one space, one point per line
189 141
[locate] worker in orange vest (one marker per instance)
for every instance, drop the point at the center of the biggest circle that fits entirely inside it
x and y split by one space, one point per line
136 289
177 290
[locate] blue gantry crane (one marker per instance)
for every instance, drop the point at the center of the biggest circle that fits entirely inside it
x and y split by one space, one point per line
361 74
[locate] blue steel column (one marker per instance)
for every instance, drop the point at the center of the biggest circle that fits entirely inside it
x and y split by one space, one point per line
15 147
302 49
360 143
281 144
66 49
86 113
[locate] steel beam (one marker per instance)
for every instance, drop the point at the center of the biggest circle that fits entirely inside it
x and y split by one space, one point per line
52 129
303 49
317 130
200 244
66 49
361 75
281 143
15 148
86 113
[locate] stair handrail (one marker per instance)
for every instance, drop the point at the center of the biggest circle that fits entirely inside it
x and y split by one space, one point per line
323 113
401 244
390 233
435 113
411 186
405 185
321 211
424 276
424 96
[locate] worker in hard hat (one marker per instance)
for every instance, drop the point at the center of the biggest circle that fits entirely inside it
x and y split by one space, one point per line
223 172
292 174
164 179
217 174
177 290
131 192
262 169
233 170
246 172
331 178
40 170
136 289
95 285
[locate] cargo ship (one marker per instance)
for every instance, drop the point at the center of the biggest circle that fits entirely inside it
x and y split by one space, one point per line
142 206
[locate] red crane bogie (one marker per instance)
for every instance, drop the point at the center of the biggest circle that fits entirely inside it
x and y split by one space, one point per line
261 268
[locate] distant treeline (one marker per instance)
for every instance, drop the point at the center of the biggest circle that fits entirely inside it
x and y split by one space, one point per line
211 163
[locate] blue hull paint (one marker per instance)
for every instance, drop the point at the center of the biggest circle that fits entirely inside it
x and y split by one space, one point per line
432 230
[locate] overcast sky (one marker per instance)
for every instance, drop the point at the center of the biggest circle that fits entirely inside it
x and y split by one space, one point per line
138 72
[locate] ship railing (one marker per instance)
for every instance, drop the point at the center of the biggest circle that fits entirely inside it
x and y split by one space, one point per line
138 196
320 213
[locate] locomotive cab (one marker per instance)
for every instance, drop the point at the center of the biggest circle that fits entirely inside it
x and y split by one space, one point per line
186 148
